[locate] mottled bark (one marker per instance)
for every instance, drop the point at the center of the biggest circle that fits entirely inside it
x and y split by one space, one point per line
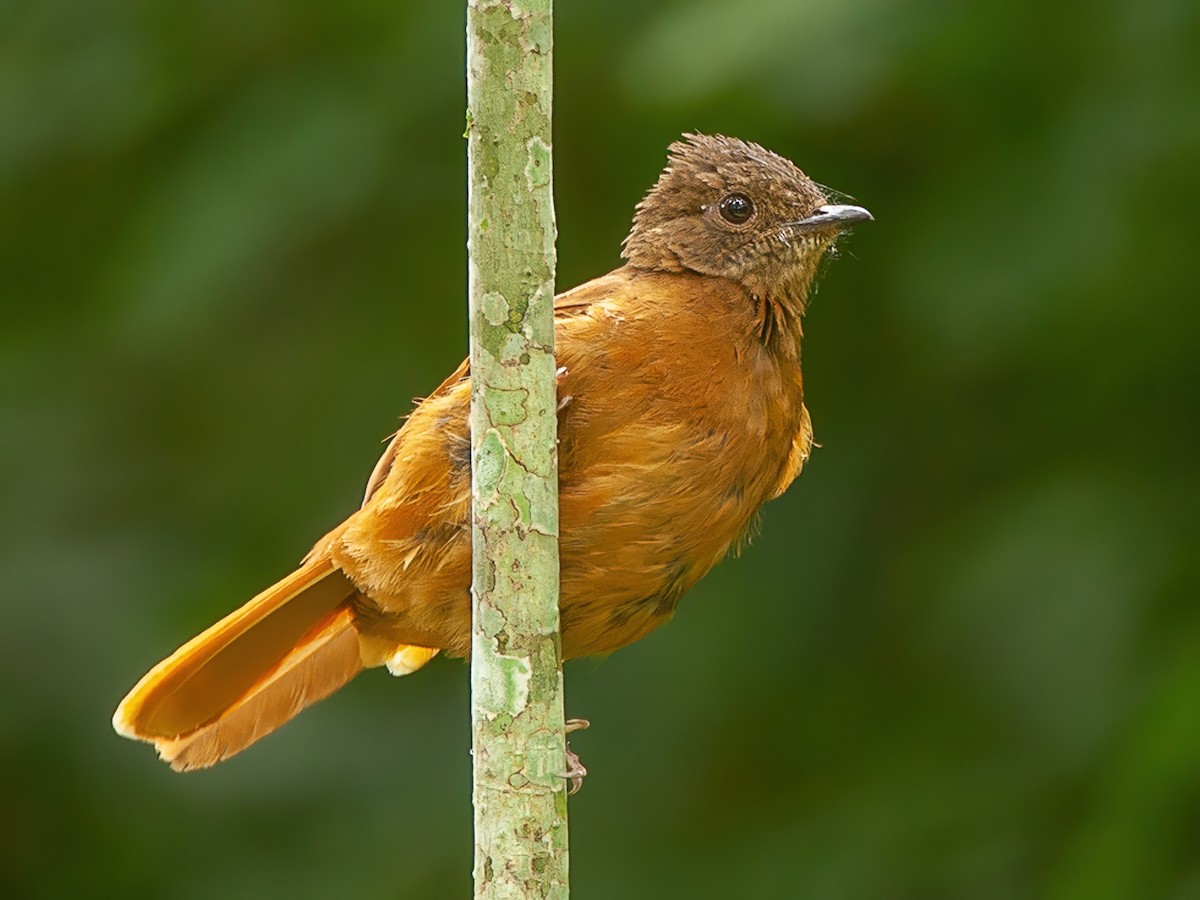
516 675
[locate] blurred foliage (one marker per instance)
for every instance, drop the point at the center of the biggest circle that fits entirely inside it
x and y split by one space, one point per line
963 658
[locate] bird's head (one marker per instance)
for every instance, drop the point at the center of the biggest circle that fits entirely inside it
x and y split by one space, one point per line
733 209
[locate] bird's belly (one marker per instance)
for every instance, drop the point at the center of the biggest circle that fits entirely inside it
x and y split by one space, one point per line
636 536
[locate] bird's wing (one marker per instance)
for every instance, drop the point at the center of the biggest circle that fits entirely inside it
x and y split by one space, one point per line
380 473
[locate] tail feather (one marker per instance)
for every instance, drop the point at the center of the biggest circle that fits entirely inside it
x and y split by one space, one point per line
292 645
288 647
321 663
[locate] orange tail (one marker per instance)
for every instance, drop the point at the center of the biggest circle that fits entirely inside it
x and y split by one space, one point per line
287 648
292 645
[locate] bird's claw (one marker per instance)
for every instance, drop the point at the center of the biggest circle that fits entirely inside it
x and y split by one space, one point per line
575 769
559 375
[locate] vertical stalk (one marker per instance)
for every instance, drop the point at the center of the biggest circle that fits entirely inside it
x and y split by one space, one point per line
516 660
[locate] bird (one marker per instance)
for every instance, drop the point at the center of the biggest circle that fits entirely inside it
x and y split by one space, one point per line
681 412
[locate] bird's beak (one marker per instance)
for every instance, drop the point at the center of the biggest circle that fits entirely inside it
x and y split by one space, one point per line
833 217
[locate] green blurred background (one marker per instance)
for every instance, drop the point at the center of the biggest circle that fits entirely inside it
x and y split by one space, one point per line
961 661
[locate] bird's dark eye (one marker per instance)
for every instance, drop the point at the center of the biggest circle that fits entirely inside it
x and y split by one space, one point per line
736 209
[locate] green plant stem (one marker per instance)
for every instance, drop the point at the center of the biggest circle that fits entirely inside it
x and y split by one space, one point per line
516 667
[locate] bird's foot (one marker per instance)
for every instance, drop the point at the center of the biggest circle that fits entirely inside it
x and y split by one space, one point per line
575 769
559 375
